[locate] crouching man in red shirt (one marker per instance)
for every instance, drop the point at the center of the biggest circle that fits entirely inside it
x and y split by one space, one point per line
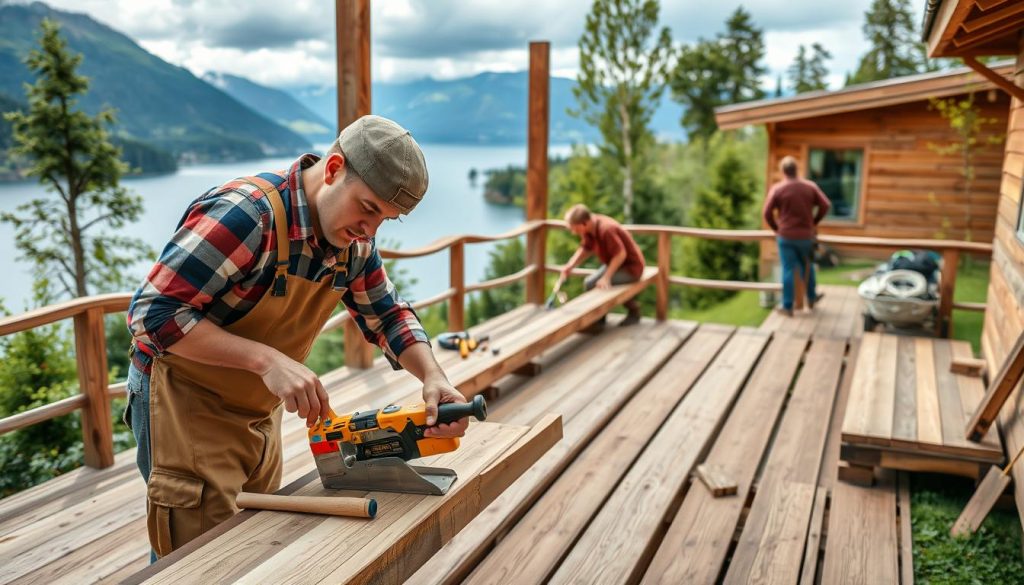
621 259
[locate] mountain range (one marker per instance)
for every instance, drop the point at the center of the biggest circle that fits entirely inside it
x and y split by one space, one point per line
222 117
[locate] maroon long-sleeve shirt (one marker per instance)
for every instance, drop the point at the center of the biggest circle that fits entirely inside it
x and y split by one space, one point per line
790 208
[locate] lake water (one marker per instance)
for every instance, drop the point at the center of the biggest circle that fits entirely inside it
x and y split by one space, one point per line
452 206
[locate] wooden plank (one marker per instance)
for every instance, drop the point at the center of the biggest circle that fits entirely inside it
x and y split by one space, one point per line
407 527
929 421
833 443
35 545
999 390
883 402
782 545
812 551
950 406
619 541
981 502
904 424
531 550
862 548
972 391
454 562
856 474
96 560
716 480
795 459
862 389
906 531
968 366
704 525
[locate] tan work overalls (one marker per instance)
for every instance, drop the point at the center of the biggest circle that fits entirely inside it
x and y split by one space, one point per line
216 431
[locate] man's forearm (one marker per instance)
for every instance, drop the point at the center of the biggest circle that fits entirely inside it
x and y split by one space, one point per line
614 263
209 344
419 360
577 257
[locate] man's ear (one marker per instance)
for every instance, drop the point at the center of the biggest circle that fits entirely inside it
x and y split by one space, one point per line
334 167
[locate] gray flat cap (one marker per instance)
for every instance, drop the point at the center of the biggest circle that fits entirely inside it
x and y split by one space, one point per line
388 159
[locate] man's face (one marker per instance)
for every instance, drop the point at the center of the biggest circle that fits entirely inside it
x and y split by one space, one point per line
349 210
580 229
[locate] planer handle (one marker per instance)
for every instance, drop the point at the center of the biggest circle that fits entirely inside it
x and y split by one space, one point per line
453 411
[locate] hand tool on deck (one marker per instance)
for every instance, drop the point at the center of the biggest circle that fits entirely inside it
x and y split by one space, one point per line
368 450
984 498
462 341
330 505
556 294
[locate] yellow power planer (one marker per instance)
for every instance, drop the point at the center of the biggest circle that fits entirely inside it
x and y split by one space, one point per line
369 450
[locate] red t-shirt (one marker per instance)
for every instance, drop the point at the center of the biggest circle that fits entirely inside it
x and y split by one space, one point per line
795 200
608 238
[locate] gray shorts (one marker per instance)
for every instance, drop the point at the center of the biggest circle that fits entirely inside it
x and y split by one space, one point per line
620 277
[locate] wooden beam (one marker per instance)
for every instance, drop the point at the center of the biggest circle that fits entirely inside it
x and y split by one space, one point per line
998 391
537 165
408 528
352 20
91 355
353 53
950 263
457 280
968 366
1003 83
664 268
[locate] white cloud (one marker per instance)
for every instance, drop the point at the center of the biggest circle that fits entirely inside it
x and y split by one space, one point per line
441 38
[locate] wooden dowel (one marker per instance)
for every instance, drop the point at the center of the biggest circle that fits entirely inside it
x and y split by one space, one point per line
332 506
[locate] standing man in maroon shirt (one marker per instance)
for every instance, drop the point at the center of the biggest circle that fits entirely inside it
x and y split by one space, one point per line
615 248
793 209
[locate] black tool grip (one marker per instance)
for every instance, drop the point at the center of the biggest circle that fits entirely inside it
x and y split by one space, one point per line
453 411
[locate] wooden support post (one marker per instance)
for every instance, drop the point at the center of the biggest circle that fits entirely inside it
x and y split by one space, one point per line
950 262
664 267
352 20
91 357
456 304
537 167
353 53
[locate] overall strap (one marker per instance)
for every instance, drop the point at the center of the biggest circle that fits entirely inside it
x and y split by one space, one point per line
281 231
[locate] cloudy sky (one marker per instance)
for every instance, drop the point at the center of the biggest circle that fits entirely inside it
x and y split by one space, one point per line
445 38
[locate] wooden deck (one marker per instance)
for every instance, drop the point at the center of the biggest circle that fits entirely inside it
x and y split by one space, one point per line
613 500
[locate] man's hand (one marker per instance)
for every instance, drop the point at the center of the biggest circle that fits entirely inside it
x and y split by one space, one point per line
438 390
297 386
604 282
564 273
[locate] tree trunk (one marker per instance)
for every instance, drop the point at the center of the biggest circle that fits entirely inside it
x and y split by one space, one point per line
627 167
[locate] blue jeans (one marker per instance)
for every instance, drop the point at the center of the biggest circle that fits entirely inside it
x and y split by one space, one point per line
136 416
796 254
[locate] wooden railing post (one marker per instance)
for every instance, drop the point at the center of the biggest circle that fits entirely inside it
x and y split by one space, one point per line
537 168
91 357
456 271
358 352
950 263
664 267
352 25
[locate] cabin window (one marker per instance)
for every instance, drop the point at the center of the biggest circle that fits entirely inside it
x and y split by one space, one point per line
838 172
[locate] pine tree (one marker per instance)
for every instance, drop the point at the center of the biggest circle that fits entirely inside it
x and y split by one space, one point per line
722 205
724 70
72 156
622 68
809 73
895 48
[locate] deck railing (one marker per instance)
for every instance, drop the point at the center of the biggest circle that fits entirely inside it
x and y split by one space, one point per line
95 393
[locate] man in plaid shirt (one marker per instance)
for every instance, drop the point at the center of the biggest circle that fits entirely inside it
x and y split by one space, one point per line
227 315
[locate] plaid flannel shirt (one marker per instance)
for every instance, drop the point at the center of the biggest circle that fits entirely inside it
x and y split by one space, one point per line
220 262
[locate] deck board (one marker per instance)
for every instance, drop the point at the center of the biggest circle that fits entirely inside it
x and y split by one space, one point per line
566 515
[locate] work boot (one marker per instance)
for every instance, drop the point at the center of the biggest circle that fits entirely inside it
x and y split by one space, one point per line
817 299
595 327
784 311
632 318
